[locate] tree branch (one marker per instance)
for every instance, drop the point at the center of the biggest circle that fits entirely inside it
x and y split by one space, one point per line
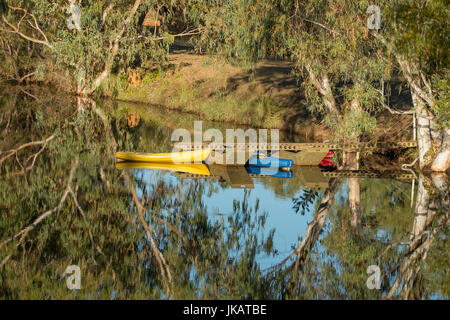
165 271
16 29
114 48
408 70
29 144
323 86
24 232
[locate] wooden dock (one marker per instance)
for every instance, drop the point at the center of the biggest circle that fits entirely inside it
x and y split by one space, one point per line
303 154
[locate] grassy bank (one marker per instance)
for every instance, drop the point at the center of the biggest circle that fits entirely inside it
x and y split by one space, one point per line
210 90
215 106
214 90
260 112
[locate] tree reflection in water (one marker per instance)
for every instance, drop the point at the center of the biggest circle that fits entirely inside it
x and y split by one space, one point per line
63 203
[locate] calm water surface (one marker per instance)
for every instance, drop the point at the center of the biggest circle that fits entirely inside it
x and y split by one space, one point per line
152 234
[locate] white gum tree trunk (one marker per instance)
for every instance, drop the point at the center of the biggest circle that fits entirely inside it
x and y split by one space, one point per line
441 162
422 211
423 129
354 195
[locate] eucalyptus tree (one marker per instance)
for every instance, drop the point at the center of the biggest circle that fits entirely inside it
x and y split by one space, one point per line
86 40
347 63
328 41
415 35
410 249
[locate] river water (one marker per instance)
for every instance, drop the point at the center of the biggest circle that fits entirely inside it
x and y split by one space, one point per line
150 233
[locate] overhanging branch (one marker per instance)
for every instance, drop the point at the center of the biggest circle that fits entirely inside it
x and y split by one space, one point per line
34 24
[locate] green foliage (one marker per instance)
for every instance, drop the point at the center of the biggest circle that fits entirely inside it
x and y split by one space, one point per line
442 102
419 31
436 273
305 200
330 41
100 230
331 38
105 237
351 126
82 55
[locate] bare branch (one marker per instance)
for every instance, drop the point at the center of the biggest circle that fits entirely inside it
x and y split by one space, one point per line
27 76
409 69
314 228
324 27
91 237
29 94
24 232
183 34
105 13
396 111
12 152
16 29
165 271
419 253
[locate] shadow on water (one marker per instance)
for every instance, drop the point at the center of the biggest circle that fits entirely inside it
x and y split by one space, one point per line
152 234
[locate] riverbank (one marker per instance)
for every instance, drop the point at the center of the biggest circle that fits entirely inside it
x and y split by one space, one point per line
272 97
217 91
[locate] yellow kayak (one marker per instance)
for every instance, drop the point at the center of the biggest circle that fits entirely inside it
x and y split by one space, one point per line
188 168
173 157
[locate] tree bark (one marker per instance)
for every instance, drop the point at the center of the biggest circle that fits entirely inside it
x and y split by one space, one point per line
423 129
354 194
423 212
323 87
354 201
424 231
442 161
316 226
427 134
113 49
423 99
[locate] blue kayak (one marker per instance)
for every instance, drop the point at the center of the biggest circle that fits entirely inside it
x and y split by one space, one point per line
267 171
261 160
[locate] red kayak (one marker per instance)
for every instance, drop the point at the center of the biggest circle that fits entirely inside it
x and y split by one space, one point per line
327 162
